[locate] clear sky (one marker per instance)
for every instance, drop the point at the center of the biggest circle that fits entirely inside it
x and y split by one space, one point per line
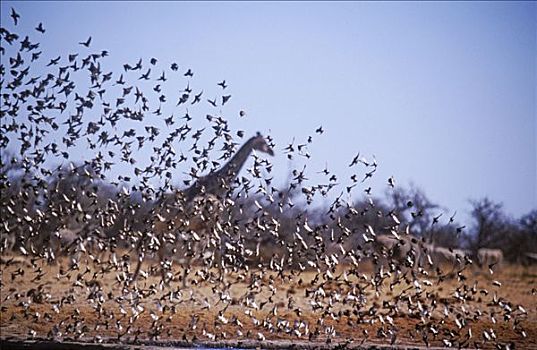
443 94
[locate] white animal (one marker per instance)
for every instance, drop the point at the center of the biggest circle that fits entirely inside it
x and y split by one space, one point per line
437 256
487 257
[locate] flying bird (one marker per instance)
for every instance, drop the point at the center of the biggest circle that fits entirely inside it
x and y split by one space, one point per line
355 160
40 28
15 16
212 102
54 61
86 43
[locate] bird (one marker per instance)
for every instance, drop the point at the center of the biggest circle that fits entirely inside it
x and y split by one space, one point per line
40 28
391 181
15 16
86 43
146 75
54 61
452 217
197 98
355 160
212 102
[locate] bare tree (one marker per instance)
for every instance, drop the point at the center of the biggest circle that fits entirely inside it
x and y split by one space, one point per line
490 227
522 239
413 206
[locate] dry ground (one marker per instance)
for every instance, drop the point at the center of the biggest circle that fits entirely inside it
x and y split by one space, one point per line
54 303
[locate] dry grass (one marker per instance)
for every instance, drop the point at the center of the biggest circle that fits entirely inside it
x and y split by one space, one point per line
50 302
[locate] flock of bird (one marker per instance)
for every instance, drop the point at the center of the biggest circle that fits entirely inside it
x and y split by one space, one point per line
222 227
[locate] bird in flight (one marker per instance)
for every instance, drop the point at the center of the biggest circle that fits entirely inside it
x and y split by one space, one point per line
86 43
355 160
40 28
15 16
212 102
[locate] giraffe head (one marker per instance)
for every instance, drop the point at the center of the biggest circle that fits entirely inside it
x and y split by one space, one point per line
260 144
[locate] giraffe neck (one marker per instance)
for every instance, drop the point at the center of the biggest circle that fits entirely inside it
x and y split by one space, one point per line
235 164
218 182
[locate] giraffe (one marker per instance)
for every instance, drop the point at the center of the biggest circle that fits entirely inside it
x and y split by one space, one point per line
219 182
194 213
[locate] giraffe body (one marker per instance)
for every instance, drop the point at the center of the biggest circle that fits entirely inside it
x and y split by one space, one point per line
193 216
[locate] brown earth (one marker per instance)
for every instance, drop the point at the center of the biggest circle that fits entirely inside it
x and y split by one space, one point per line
50 302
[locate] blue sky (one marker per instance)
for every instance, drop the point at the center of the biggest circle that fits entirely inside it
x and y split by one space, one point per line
443 94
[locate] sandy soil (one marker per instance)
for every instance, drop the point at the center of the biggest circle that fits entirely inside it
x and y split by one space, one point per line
304 309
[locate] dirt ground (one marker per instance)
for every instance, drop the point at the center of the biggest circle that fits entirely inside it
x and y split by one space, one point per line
302 309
